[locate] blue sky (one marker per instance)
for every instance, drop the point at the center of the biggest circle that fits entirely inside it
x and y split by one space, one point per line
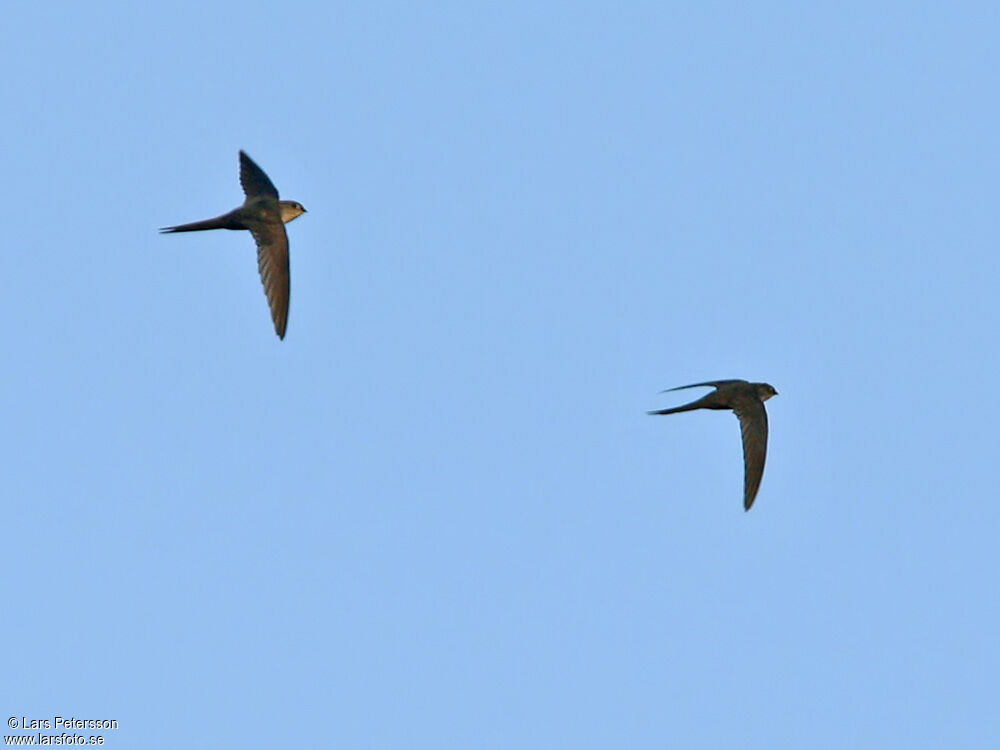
436 515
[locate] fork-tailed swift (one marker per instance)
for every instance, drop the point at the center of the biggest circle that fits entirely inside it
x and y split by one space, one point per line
747 400
264 216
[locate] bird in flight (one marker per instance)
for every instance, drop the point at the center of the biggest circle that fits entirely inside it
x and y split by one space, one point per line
264 216
747 400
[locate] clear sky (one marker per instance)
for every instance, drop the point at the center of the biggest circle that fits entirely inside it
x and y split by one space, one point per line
436 515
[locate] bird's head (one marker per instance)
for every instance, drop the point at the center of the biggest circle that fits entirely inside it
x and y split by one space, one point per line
765 391
291 210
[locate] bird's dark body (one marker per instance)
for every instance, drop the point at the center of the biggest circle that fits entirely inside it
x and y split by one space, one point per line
264 216
747 401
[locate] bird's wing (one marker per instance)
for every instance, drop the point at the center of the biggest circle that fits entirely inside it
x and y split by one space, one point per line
753 425
272 262
253 179
712 383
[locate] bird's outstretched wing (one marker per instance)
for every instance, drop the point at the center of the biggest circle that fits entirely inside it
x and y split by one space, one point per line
253 179
272 262
712 383
753 425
